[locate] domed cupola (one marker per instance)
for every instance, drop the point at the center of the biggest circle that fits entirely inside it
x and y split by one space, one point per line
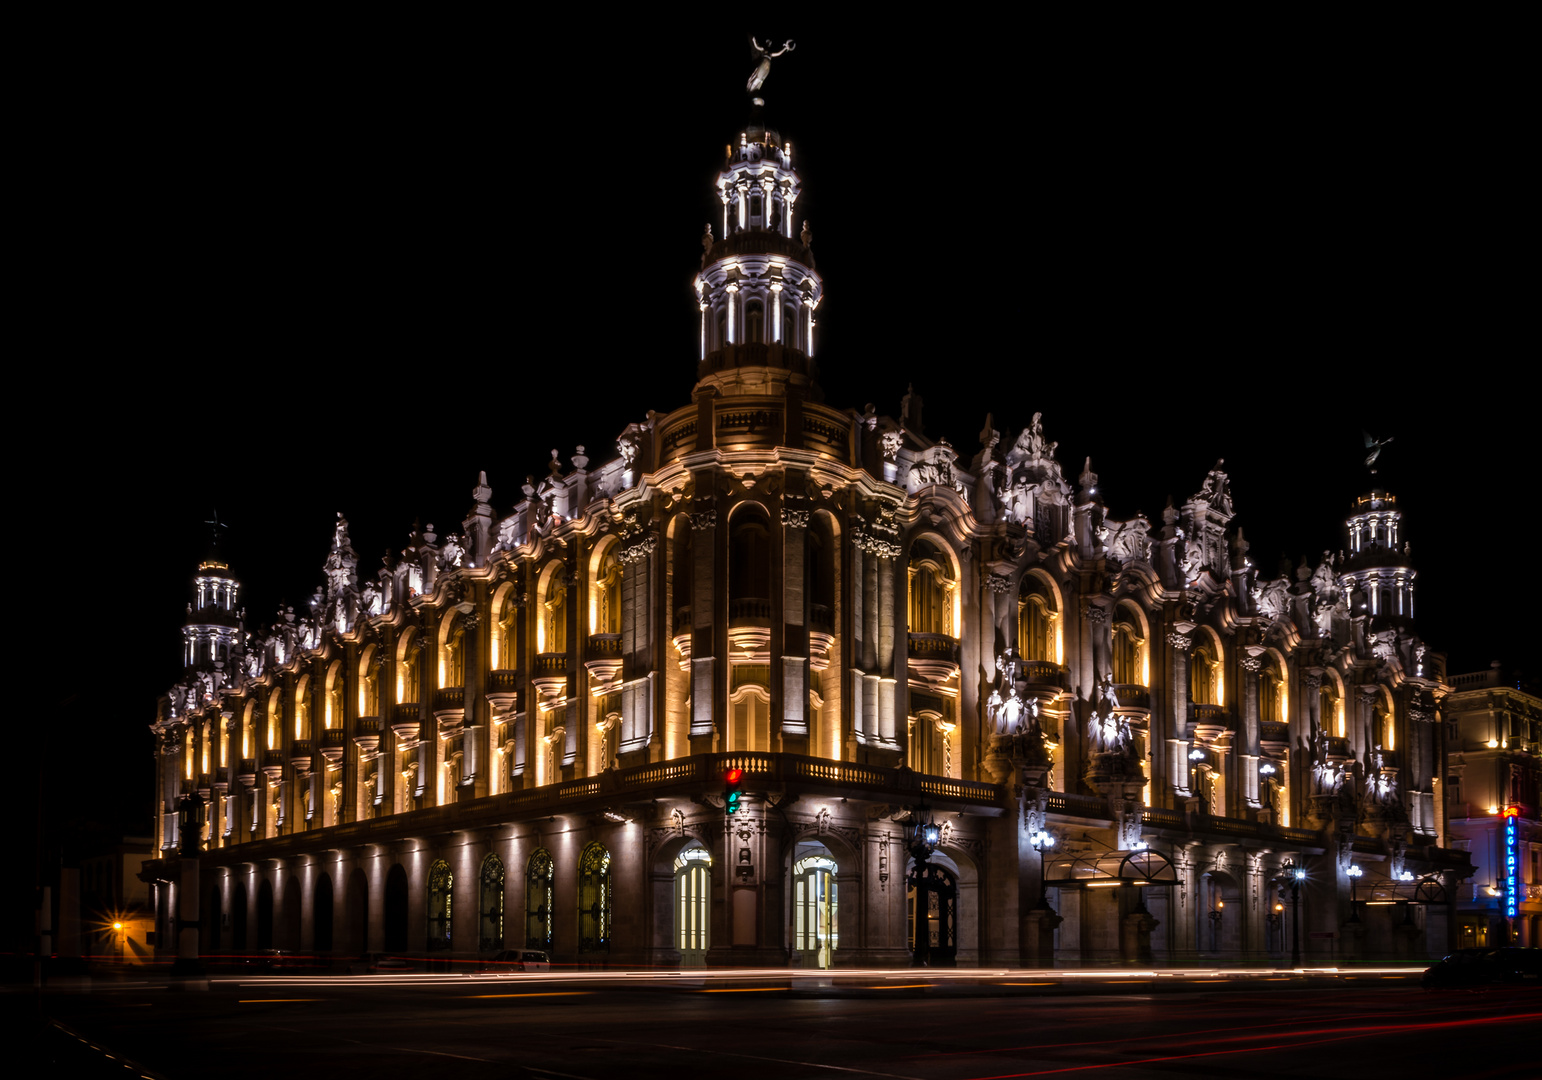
757 291
1378 572
211 636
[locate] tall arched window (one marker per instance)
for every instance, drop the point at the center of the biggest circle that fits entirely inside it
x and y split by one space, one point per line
452 670
1036 622
1202 676
931 591
275 719
1330 716
607 594
335 681
754 322
440 889
302 708
369 684
790 325
407 670
538 899
693 895
490 904
594 898
1271 706
554 612
749 558
1127 659
503 636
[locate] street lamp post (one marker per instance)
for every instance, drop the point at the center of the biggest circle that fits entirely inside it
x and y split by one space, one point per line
1042 842
923 841
1295 875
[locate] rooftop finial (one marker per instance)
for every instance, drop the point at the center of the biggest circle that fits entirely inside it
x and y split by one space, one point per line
764 56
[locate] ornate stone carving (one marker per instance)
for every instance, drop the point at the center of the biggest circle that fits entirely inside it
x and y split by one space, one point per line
795 519
1182 642
998 583
640 550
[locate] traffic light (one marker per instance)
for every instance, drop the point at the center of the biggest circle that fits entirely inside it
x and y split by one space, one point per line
733 779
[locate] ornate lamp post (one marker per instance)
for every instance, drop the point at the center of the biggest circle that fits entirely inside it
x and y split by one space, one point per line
1042 842
923 841
190 821
1294 876
1355 873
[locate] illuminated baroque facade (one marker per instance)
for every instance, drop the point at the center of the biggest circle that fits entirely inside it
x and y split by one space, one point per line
516 734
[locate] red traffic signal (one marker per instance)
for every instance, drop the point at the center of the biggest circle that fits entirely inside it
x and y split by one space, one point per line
732 776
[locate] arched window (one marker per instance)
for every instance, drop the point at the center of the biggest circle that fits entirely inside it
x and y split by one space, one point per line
594 899
749 558
693 895
538 890
607 594
931 591
504 636
1271 704
722 327
790 325
1202 676
1329 714
554 612
369 684
302 708
334 713
440 887
1036 623
754 321
1128 668
490 904
407 670
452 664
275 719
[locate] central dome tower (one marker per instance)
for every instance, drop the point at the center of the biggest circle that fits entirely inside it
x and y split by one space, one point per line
757 290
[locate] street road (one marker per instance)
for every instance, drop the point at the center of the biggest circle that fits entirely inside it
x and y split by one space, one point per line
749 1026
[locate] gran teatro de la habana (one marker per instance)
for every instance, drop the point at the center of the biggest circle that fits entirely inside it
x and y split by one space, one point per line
772 682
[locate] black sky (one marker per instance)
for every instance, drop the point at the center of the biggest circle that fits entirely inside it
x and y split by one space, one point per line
292 271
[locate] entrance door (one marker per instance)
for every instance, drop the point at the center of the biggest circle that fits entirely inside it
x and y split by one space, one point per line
693 893
941 907
816 923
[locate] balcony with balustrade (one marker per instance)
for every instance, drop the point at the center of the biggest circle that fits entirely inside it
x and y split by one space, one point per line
933 659
603 661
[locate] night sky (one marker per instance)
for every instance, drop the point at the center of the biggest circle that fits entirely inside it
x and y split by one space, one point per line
305 272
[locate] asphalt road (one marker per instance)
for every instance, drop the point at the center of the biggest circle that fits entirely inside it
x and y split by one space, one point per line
902 1025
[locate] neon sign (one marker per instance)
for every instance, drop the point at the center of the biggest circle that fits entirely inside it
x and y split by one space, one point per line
1512 887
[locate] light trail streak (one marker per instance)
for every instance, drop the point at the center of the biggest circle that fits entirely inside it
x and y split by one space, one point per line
1338 1035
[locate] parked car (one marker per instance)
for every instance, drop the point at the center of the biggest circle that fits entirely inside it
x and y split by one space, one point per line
506 960
1478 967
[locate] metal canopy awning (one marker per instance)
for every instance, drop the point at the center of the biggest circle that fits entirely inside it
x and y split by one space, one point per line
1425 890
1109 869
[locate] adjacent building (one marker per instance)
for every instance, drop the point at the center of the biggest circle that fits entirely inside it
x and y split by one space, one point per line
1127 738
1493 776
